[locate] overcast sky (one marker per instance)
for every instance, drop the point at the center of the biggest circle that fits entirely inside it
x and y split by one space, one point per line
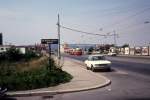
28 21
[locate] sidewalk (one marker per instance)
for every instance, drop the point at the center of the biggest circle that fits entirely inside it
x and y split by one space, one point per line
82 80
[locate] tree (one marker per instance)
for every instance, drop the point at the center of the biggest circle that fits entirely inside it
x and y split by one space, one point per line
90 50
107 47
13 54
29 55
125 45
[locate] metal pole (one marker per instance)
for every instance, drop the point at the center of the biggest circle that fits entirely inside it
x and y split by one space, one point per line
58 24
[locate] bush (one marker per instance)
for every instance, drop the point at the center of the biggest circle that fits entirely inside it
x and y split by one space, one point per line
39 76
29 55
90 49
2 56
16 74
13 54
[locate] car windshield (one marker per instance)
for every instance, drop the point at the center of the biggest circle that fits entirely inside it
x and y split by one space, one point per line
98 58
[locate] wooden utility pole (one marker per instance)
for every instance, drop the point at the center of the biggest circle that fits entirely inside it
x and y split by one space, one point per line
58 29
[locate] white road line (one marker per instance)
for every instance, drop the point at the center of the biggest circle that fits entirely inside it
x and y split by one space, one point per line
121 72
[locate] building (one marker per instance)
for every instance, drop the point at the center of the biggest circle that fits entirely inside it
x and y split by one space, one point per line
4 48
23 49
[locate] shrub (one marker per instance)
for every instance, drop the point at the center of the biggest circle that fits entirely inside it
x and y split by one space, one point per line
33 79
2 57
13 54
25 78
29 55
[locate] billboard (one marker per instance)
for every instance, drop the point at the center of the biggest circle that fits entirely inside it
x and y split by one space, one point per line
138 50
122 51
52 44
127 51
145 50
132 50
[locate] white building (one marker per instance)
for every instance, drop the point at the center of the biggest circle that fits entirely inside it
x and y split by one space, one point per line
4 48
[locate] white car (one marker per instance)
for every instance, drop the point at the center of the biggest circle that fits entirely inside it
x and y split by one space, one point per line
97 62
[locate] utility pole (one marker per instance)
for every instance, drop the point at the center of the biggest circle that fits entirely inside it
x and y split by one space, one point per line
114 37
58 29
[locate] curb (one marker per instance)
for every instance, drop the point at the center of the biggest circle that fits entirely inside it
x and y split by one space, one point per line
44 93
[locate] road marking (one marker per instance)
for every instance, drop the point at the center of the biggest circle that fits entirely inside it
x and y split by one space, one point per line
121 72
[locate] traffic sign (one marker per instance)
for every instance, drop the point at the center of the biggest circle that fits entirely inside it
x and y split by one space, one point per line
49 41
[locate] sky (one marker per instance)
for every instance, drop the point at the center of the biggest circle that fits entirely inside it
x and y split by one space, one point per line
24 22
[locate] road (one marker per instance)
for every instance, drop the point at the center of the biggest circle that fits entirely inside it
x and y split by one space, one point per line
130 81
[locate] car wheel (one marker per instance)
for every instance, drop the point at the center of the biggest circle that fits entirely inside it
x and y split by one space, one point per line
87 68
109 69
92 68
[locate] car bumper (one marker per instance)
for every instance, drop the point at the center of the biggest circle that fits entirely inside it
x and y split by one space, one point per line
102 67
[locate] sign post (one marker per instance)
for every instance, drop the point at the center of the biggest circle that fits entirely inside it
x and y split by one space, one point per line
49 42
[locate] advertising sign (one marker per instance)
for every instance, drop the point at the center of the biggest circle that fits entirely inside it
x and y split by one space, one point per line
122 51
127 50
144 50
138 50
132 50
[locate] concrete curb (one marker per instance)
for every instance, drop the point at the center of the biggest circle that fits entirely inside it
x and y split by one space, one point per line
43 93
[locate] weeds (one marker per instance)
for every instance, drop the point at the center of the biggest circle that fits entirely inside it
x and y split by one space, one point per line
31 75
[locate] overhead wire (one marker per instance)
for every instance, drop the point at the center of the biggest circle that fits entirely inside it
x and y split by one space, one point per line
131 16
76 30
116 23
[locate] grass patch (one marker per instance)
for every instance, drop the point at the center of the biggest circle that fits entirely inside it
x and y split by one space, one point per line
31 75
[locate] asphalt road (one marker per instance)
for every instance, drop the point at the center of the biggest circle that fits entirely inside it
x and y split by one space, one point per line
130 81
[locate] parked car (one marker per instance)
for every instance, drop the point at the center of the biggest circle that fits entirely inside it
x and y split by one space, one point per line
97 62
112 54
